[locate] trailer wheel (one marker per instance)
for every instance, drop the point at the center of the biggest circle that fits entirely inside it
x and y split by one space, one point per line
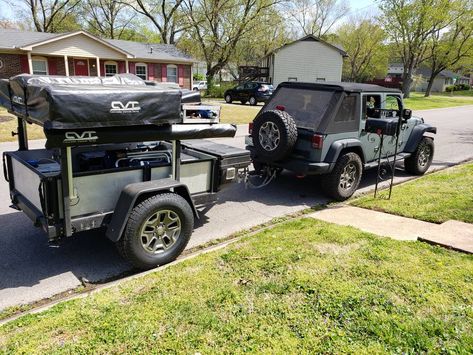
157 231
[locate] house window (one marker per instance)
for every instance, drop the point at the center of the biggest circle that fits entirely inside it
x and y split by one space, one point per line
40 65
141 71
172 73
111 68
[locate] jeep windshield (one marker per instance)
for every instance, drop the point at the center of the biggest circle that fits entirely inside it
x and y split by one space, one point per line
307 106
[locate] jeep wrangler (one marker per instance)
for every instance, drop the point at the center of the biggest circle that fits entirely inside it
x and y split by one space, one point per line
336 130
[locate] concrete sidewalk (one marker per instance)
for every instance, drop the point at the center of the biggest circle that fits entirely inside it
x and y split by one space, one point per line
451 234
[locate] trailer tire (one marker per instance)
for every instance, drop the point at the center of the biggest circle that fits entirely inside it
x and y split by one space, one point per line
157 231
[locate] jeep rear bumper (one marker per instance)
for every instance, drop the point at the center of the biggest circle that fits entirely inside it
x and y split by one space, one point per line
296 165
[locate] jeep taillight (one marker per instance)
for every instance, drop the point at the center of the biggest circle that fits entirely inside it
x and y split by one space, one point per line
250 127
317 141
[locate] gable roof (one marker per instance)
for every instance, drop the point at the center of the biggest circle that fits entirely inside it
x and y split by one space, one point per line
312 38
444 73
24 40
155 51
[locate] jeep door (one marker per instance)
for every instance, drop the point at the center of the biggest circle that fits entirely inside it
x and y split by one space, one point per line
394 102
369 141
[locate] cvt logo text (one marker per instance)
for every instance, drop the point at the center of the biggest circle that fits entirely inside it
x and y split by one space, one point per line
76 137
130 107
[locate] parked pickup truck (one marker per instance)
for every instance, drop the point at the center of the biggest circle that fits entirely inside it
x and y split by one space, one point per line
337 130
118 163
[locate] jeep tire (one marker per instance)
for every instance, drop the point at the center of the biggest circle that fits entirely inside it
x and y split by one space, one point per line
274 135
342 182
157 231
419 162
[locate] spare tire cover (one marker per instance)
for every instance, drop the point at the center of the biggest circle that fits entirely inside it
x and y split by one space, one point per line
274 135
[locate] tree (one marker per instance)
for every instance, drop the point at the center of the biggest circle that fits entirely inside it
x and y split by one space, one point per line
49 15
165 15
316 17
108 18
218 26
367 55
448 49
409 24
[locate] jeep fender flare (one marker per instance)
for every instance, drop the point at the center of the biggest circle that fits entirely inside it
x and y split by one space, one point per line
130 195
337 146
416 135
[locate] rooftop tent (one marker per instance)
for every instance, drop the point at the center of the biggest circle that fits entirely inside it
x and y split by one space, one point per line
59 102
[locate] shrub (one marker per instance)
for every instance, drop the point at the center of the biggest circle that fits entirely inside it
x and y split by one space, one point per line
218 91
460 87
450 88
198 76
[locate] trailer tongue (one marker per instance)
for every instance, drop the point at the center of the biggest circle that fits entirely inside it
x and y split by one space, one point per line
120 167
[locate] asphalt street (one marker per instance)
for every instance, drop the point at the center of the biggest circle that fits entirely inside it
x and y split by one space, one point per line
31 270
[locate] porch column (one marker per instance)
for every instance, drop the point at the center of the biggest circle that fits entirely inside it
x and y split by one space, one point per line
30 63
66 65
127 70
97 63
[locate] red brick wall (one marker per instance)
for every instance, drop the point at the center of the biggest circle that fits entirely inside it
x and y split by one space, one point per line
12 64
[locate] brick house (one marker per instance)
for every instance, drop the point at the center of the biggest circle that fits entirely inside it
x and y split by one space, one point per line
81 53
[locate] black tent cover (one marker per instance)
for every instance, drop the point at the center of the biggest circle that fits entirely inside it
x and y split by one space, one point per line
61 102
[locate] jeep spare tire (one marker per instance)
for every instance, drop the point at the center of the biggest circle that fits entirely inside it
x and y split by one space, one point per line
274 135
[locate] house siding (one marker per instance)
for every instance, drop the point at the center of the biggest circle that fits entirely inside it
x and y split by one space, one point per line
77 46
307 61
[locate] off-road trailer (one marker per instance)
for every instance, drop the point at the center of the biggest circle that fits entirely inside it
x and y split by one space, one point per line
142 184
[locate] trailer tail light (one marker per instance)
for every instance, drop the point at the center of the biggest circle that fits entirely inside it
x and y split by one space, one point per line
317 141
280 108
250 128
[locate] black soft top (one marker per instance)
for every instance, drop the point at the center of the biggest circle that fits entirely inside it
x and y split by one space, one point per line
339 86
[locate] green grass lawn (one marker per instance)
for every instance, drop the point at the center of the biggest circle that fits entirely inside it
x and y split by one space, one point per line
417 101
303 287
437 197
8 124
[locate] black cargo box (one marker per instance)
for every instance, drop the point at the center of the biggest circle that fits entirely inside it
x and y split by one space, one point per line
386 126
58 102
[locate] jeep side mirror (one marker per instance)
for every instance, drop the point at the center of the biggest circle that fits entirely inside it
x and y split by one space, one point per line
406 114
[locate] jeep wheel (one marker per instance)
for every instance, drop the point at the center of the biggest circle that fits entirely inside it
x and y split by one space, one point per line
345 177
253 101
157 231
274 135
419 162
228 99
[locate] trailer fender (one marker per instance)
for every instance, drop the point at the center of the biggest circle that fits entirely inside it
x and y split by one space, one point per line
132 193
416 135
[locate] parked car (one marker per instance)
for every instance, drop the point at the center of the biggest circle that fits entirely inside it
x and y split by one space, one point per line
199 85
335 130
251 92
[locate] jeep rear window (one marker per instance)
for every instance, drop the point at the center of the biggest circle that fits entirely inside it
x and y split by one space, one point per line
307 107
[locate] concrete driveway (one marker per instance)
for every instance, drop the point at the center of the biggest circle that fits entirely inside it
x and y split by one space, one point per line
31 270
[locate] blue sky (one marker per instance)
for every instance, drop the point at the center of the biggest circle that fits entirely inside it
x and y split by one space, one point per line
356 6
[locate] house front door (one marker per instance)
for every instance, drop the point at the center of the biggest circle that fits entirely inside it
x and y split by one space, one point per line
81 67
